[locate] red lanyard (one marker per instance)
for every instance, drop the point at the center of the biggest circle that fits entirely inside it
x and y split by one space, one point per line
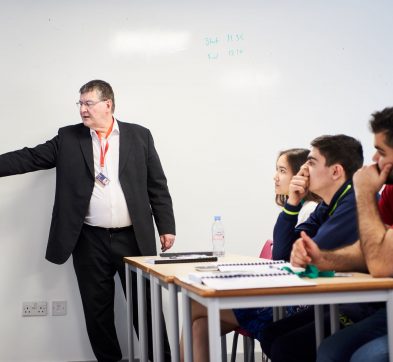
102 150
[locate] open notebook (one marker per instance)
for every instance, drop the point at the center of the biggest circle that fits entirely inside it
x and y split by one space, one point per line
262 265
248 276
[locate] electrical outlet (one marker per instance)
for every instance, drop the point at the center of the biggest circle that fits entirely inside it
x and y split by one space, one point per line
30 309
59 308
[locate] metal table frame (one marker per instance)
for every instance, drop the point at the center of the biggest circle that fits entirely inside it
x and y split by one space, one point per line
215 304
156 301
369 290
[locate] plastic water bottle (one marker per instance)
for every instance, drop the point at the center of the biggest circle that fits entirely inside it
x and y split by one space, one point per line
218 237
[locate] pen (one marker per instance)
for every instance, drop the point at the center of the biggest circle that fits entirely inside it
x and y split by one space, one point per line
342 274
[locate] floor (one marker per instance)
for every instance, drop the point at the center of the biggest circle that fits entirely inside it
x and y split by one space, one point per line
239 358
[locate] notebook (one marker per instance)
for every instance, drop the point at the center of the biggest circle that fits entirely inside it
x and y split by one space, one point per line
262 266
191 258
248 280
181 253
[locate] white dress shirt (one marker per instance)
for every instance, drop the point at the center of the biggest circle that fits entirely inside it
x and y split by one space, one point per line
108 207
307 208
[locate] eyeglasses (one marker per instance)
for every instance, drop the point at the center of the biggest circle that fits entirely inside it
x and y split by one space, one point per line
89 104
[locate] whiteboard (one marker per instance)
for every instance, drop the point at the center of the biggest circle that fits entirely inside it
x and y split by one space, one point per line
223 86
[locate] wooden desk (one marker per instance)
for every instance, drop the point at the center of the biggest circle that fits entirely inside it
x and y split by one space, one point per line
160 275
355 289
358 288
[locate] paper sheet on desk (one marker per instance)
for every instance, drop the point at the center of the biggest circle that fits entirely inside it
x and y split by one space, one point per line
246 280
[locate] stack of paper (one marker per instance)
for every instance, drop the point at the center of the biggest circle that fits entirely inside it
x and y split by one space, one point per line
247 276
190 258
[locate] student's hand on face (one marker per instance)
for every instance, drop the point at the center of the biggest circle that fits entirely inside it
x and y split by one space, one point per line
369 180
305 251
298 187
304 171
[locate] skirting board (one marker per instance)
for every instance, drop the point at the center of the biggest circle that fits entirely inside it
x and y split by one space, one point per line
239 358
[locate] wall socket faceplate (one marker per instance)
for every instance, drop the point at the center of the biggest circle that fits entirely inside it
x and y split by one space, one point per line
59 308
30 309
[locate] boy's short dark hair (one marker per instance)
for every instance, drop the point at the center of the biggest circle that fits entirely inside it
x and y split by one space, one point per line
341 149
382 121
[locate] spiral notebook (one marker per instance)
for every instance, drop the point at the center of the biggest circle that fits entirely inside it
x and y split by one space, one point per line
248 280
231 280
260 266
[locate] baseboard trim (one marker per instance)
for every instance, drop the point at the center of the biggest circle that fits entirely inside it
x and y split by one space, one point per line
239 358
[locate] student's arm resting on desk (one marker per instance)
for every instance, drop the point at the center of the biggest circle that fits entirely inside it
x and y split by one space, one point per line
306 251
376 240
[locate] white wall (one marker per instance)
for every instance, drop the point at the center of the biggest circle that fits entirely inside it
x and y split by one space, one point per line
219 112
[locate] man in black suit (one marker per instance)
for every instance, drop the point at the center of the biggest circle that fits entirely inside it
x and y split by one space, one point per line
109 185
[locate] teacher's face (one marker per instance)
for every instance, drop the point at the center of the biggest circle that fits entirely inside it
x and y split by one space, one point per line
95 112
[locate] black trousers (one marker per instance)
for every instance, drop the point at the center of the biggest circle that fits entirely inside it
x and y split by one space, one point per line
292 339
97 257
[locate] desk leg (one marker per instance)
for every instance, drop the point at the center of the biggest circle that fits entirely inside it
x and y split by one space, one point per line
142 315
174 321
281 312
334 319
224 348
156 319
214 330
275 314
153 317
319 324
187 327
130 316
389 311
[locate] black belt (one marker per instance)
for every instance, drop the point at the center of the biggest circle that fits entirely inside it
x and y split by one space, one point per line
111 230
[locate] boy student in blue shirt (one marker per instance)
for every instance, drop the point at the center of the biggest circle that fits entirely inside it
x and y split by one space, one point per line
367 339
328 173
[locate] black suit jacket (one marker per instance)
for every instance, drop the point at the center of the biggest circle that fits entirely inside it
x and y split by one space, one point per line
141 176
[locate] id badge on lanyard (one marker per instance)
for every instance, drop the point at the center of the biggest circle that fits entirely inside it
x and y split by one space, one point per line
102 179
104 145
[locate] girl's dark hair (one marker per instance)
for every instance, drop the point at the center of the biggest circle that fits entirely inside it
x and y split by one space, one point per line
296 157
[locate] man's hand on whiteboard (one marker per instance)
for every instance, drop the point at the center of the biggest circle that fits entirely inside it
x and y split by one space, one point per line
167 241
